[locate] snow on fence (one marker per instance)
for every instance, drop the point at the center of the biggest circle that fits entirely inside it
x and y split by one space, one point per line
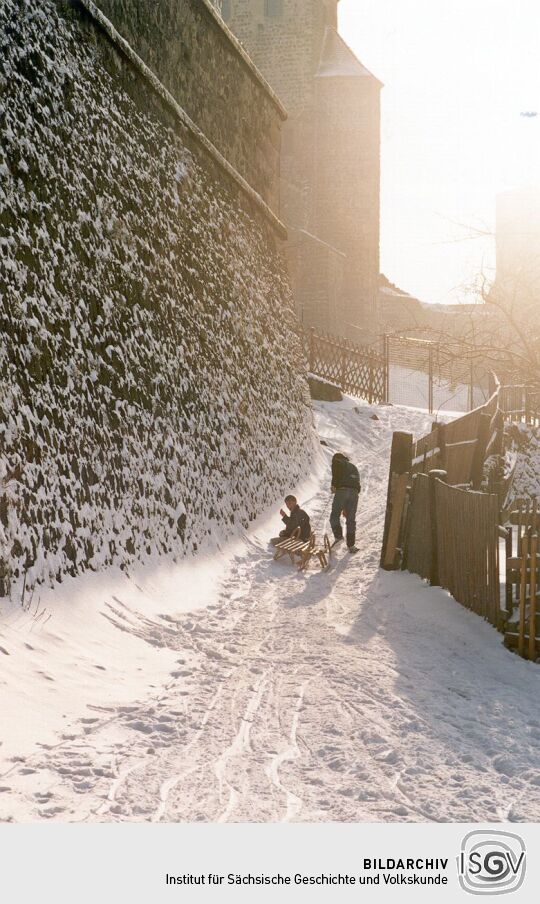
355 368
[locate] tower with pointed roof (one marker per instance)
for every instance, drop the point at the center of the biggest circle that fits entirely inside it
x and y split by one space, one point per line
330 163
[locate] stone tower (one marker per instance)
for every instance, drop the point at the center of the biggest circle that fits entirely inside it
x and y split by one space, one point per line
517 239
330 169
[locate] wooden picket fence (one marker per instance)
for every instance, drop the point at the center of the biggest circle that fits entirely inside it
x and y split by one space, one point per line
523 581
439 527
521 402
437 523
354 368
451 538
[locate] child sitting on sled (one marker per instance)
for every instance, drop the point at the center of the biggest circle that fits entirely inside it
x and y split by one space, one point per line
297 518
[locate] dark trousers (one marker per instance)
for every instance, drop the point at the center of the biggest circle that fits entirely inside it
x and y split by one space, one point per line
345 500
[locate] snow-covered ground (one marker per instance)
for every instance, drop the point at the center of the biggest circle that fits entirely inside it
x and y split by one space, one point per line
409 386
234 688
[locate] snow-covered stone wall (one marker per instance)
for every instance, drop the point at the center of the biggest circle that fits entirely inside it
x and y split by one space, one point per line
152 392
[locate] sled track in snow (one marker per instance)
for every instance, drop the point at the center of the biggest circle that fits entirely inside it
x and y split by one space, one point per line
351 695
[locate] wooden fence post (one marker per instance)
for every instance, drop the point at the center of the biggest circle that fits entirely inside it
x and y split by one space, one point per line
508 589
407 525
430 377
398 477
523 594
441 439
532 600
519 526
433 477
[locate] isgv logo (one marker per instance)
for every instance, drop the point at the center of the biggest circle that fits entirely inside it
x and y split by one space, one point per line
491 863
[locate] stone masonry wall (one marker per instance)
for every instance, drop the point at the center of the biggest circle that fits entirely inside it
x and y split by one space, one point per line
185 44
143 394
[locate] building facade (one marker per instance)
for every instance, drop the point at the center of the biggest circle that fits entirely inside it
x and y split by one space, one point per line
330 163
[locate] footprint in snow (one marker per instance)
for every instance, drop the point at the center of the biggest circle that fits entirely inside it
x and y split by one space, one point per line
80 787
347 792
47 814
401 811
391 757
505 765
141 726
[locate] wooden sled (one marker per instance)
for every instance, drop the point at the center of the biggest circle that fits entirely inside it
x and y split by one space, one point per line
293 546
322 553
301 552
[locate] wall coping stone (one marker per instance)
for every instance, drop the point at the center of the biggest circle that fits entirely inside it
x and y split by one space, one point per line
125 48
297 236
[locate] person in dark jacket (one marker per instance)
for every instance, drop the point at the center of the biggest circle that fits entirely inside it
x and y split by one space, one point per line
297 518
346 490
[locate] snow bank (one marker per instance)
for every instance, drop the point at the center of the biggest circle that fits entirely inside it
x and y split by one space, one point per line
97 641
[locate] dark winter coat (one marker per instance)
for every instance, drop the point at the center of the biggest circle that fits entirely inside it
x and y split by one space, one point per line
297 518
344 473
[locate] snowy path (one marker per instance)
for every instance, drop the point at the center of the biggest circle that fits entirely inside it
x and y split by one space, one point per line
353 696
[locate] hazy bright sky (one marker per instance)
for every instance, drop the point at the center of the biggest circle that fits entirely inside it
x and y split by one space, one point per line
458 74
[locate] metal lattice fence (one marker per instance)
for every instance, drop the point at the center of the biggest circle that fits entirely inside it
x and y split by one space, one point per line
356 369
424 373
